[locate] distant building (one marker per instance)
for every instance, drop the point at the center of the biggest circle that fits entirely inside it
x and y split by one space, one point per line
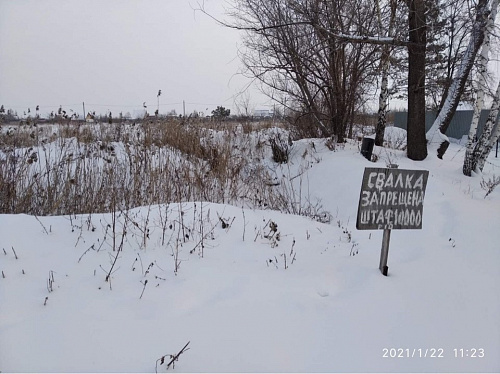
139 113
263 113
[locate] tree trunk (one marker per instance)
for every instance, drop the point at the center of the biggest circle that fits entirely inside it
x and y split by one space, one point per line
417 147
384 84
470 162
436 135
382 100
493 139
488 138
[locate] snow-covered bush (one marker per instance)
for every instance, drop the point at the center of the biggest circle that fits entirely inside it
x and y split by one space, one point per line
281 148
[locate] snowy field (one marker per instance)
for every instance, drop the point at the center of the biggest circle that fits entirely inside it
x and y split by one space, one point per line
258 290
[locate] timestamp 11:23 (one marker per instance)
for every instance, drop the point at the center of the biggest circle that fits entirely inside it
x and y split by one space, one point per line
468 352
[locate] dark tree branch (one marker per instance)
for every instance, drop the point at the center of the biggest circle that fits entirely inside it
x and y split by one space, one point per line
355 39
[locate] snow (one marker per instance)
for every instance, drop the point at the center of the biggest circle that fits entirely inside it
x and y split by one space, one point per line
329 310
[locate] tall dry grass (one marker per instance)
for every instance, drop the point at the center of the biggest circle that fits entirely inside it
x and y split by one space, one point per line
68 168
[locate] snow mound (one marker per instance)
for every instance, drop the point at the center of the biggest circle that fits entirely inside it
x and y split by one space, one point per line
258 290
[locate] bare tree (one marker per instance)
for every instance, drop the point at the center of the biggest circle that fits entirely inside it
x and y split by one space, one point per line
291 44
304 66
243 104
322 56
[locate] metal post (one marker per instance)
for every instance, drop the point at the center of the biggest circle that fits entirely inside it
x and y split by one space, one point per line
384 253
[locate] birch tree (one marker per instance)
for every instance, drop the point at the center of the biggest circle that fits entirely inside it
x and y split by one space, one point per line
385 63
488 137
437 140
476 159
474 151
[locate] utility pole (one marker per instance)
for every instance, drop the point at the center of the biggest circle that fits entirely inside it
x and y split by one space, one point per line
84 111
158 107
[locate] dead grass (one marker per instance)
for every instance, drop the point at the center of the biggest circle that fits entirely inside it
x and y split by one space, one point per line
61 169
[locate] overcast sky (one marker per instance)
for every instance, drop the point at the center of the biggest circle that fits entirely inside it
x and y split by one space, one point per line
115 54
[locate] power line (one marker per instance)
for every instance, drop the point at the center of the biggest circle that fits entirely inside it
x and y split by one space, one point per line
130 106
8 106
139 105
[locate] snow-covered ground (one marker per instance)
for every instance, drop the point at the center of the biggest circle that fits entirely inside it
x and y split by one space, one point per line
257 290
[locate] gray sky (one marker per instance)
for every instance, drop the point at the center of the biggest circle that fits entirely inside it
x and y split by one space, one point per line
115 54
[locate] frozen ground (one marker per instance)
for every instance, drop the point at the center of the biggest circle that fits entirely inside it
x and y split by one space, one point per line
241 307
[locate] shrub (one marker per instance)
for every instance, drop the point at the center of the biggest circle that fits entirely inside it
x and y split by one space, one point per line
281 149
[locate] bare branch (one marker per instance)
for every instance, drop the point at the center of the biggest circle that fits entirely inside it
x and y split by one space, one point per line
363 39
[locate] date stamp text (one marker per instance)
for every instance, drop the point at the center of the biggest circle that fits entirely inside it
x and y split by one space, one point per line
433 353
